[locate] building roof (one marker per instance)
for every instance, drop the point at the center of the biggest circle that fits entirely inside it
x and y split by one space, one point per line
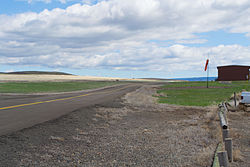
233 66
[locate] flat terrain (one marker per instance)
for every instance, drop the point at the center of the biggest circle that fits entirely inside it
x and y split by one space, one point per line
129 130
118 126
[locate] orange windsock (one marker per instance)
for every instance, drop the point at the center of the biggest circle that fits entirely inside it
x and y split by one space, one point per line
206 64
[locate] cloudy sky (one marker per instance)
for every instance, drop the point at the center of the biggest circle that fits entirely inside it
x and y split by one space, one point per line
124 38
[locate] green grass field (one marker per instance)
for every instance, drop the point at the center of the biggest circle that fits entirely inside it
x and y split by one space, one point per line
196 93
43 87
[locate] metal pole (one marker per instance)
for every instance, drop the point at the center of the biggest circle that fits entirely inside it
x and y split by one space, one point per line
223 122
234 99
207 72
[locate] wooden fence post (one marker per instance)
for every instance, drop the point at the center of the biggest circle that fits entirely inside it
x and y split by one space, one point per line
225 134
223 160
229 148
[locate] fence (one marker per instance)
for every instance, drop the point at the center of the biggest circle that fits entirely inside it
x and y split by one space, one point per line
226 155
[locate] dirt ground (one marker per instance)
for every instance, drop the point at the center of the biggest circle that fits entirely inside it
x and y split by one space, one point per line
131 131
239 131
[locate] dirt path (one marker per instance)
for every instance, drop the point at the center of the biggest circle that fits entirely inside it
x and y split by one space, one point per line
132 131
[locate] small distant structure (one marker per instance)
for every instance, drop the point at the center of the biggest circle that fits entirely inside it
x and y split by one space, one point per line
233 73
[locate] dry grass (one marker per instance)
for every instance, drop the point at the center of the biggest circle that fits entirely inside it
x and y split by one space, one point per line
111 114
203 157
239 123
57 138
212 124
42 78
235 134
237 155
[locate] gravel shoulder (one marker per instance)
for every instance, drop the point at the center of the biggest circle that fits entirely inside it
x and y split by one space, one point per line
131 131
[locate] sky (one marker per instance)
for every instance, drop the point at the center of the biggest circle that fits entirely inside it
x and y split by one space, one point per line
124 38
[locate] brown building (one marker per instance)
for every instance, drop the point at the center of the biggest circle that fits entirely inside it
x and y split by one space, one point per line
233 73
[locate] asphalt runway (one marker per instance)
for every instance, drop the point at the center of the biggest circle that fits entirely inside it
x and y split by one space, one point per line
22 111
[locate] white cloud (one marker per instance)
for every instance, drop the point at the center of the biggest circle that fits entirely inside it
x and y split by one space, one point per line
11 70
88 2
115 34
63 1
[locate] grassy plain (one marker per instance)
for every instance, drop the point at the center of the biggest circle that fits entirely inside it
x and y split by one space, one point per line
196 93
43 87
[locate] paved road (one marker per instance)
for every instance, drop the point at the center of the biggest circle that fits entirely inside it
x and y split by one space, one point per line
22 111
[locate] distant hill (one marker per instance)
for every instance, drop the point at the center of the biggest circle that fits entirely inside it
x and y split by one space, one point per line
37 72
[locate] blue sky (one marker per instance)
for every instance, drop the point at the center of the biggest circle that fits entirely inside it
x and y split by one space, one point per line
124 38
11 7
219 37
